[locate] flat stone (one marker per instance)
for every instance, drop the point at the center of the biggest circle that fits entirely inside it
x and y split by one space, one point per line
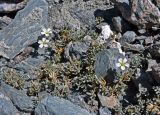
20 100
6 106
75 14
58 106
105 62
24 29
142 13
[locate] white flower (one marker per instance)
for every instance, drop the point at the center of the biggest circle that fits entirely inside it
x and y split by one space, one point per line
106 31
122 63
43 43
46 32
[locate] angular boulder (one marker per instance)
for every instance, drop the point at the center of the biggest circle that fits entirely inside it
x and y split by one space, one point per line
105 62
19 99
58 106
24 29
6 103
11 6
142 13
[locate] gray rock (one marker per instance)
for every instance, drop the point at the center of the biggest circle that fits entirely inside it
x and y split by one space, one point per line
20 100
156 73
27 66
149 40
77 49
151 63
10 6
142 14
58 106
133 47
120 24
104 111
24 29
128 37
105 62
142 31
6 106
4 21
74 14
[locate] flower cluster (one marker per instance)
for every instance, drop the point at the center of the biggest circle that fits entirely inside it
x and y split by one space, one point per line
44 42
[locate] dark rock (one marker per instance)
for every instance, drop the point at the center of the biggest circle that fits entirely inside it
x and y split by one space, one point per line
120 24
128 37
77 49
58 106
7 7
6 106
76 15
105 62
20 100
142 13
156 73
104 111
143 78
157 2
155 50
24 29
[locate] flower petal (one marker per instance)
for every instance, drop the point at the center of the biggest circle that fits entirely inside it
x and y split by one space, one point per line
45 45
40 42
43 39
120 60
41 45
46 34
42 33
47 41
124 60
44 29
118 64
127 65
123 68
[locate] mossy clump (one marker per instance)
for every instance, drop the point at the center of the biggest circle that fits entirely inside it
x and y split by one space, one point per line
14 79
